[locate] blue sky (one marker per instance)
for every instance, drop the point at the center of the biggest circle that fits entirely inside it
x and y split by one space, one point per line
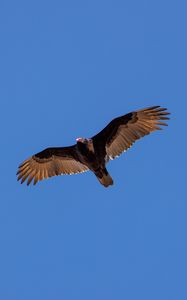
66 69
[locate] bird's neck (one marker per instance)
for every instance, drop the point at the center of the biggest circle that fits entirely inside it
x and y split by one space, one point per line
85 148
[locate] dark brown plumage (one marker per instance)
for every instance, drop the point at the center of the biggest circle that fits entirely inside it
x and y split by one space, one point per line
94 153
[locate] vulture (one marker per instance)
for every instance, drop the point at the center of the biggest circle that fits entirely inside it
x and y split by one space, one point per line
94 153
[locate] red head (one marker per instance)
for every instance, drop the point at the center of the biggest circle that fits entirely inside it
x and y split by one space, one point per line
84 140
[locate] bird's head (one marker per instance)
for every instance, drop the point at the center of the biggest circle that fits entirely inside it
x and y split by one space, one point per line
84 141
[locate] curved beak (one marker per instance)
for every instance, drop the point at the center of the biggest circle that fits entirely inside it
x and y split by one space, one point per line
79 139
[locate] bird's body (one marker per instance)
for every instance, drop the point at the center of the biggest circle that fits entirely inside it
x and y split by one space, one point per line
94 153
94 159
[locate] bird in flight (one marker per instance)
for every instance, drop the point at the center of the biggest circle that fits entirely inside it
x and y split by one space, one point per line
94 153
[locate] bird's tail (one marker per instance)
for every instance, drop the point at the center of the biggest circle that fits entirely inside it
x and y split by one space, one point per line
105 178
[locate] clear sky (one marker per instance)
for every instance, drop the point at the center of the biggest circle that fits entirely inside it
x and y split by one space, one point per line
66 69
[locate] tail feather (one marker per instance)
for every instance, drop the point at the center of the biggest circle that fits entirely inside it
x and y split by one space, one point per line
106 180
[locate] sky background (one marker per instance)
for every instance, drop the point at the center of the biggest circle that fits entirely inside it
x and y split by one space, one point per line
66 69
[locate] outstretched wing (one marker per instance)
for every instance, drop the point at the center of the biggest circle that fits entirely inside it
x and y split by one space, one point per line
50 162
122 132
